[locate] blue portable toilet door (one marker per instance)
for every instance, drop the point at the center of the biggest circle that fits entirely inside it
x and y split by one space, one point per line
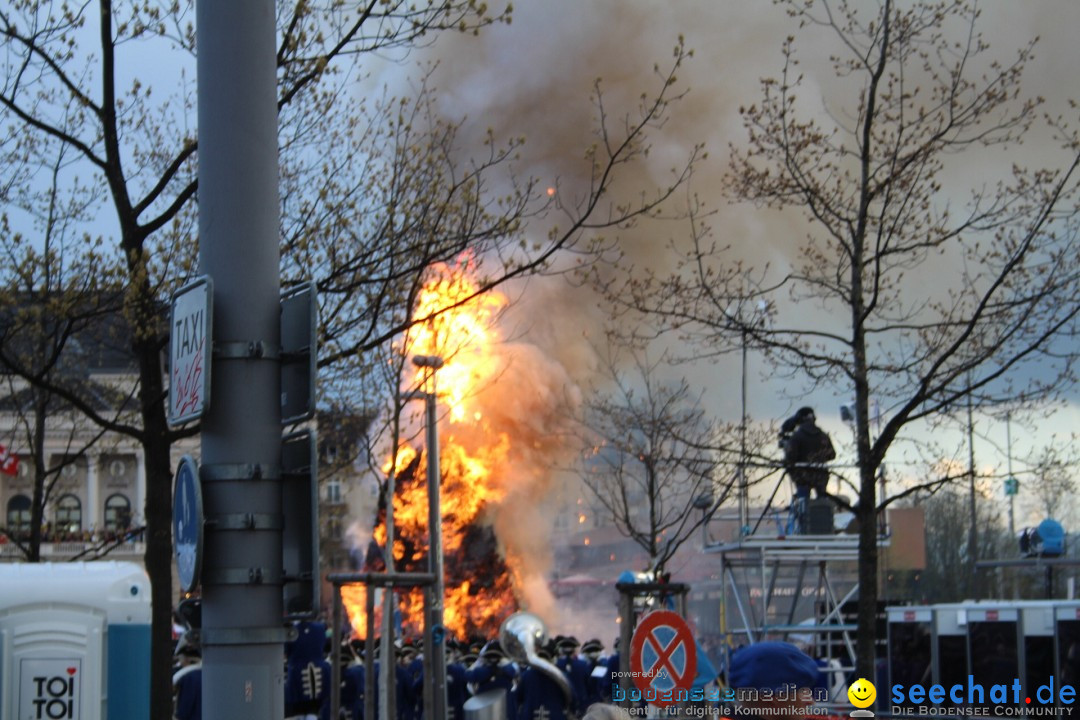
128 675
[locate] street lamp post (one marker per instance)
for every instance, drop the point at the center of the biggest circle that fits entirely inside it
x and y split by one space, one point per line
744 324
1010 483
434 633
744 499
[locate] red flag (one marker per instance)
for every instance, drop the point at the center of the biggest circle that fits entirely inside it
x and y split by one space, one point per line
9 462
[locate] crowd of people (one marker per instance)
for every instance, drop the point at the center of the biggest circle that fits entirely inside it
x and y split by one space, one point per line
74 534
530 690
530 693
472 668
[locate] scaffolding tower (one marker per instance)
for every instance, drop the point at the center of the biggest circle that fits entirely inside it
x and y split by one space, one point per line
769 577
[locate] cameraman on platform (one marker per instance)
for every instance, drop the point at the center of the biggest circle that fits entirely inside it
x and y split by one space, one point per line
806 449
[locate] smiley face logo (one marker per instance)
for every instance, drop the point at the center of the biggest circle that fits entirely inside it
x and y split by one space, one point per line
862 693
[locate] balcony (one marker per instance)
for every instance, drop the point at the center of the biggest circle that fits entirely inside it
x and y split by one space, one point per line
130 547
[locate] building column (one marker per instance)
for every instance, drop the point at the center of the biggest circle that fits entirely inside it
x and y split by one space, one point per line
92 511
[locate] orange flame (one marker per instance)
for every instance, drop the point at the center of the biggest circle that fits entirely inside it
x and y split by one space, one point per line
474 458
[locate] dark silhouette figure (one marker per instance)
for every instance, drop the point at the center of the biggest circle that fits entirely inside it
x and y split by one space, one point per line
805 446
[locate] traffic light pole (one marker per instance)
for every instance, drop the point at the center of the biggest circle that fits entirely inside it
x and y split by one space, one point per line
242 613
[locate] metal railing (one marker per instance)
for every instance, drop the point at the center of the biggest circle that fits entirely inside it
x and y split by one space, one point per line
62 551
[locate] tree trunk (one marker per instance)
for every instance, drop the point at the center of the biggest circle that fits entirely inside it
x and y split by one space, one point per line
158 508
41 475
866 635
33 545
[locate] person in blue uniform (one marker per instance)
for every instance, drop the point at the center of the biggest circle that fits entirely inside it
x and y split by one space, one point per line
495 671
576 670
352 683
410 682
307 673
187 680
591 653
539 696
356 676
608 678
457 687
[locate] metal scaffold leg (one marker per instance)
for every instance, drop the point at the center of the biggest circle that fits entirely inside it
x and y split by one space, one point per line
779 569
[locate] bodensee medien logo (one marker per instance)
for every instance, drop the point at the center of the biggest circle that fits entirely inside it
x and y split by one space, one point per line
974 698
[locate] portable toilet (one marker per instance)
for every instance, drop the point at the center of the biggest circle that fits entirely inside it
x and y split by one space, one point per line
910 643
1067 634
950 661
994 644
1037 653
74 641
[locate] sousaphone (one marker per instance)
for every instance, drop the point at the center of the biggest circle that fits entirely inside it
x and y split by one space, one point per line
520 635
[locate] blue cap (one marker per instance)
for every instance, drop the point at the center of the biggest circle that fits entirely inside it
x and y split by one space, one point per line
772 665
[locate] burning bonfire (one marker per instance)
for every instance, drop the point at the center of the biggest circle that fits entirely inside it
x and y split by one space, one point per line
500 407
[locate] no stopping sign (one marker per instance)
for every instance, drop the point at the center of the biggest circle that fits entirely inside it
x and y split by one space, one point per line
663 656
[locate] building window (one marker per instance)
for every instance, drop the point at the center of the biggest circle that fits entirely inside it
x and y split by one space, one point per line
68 514
18 516
333 492
562 522
117 513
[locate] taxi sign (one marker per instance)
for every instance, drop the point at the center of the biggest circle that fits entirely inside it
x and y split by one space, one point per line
190 341
663 657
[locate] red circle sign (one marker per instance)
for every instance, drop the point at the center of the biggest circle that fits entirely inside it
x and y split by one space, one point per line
663 657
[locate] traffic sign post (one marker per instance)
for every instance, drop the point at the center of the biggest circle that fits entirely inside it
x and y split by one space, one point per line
663 657
243 638
300 534
299 326
190 341
188 523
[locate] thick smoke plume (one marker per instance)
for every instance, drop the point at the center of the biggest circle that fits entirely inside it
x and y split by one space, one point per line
534 78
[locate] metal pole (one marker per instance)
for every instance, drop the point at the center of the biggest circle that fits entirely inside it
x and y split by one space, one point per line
1012 497
388 658
335 656
746 619
239 230
973 534
626 629
369 653
744 498
387 676
428 689
1008 454
434 626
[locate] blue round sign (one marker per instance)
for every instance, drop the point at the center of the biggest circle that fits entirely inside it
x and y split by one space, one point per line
188 523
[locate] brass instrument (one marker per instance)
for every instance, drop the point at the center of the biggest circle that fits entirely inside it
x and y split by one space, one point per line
520 635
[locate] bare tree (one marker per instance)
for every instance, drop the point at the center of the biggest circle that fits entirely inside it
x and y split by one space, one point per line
53 332
948 552
903 291
364 225
1052 482
651 458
